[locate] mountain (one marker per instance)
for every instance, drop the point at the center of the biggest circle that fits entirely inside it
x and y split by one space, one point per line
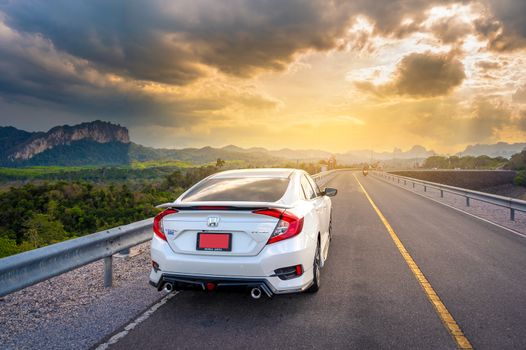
103 143
84 152
91 143
97 131
203 155
303 155
501 149
417 152
10 136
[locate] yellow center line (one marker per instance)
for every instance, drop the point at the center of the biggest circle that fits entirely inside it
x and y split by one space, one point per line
446 318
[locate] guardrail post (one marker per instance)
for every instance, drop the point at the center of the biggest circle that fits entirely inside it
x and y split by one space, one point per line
441 193
405 182
108 271
413 185
467 201
512 214
425 188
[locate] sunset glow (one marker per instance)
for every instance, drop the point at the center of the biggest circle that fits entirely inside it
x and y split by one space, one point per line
317 74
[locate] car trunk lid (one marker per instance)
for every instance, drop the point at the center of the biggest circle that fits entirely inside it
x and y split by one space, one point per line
249 232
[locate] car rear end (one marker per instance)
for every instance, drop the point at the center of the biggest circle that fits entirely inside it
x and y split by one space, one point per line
233 232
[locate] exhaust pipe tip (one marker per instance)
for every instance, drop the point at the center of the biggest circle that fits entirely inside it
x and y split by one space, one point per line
168 287
255 293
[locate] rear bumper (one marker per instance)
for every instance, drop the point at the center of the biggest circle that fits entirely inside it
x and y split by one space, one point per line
185 282
242 270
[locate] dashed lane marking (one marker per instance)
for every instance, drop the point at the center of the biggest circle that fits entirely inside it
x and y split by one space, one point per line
136 322
441 310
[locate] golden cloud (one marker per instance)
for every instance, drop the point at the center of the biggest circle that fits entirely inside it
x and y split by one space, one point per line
421 75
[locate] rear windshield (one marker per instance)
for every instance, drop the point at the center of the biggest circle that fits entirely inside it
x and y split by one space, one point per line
255 189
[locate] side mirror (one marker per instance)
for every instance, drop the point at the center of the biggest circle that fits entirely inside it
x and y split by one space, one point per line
330 192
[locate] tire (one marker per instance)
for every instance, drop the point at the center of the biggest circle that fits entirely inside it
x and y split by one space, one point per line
316 279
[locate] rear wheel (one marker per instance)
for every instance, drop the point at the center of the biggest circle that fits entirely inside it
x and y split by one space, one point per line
316 279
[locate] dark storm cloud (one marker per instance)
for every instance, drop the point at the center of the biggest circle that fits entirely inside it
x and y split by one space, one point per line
421 75
61 51
33 73
170 41
488 65
451 30
504 26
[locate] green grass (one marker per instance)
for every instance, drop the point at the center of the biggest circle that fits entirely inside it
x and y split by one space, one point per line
182 164
35 171
161 164
39 171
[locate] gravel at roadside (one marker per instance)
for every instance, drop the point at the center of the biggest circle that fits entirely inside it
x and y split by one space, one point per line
498 215
74 310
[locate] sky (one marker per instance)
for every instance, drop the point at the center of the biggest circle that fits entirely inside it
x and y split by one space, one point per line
333 75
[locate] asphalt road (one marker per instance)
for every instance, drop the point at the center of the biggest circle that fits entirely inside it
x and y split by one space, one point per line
369 297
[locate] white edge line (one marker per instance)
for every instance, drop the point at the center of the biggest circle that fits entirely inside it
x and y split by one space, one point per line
457 209
143 317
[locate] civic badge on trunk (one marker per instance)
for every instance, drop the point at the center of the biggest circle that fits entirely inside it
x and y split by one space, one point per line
213 221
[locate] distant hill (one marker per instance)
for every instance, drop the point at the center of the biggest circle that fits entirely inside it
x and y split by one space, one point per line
103 143
417 152
9 137
501 149
84 152
204 155
92 143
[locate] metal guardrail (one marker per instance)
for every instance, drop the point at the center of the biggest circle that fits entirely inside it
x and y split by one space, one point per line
25 269
512 204
322 178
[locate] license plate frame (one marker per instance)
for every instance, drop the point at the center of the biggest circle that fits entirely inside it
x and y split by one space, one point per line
214 242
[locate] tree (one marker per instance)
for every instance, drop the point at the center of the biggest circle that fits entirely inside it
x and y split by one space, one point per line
220 163
41 230
332 163
174 180
438 162
520 179
8 247
517 161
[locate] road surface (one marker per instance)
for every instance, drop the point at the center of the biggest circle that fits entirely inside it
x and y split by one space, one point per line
370 298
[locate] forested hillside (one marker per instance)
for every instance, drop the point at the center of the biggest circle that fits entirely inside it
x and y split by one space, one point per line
35 215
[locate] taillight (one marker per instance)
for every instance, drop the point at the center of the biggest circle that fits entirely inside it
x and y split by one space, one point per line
158 223
289 225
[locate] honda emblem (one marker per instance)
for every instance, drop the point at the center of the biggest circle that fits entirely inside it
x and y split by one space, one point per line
213 221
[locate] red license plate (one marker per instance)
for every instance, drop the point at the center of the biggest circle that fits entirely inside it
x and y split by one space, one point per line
214 241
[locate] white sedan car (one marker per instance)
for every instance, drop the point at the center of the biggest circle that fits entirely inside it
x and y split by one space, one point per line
263 230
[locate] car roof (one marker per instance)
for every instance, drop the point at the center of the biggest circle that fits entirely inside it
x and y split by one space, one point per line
261 172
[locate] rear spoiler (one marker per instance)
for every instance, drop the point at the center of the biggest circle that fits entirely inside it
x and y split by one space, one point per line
225 205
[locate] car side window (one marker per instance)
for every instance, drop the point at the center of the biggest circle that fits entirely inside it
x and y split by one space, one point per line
309 191
314 186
